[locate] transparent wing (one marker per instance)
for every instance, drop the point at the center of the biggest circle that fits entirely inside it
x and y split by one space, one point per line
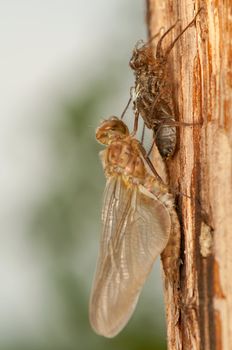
136 229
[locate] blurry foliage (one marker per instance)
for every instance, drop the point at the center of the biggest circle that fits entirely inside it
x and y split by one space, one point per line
77 178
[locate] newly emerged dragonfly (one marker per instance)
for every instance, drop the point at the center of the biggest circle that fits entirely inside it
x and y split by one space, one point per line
153 91
138 217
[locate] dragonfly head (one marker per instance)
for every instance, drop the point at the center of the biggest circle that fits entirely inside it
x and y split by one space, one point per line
110 130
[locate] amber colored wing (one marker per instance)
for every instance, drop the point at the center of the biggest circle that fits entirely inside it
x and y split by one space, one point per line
136 228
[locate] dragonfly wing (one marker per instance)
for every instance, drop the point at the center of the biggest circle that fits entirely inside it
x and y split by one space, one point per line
136 228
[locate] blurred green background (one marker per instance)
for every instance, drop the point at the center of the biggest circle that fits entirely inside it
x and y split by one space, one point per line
65 68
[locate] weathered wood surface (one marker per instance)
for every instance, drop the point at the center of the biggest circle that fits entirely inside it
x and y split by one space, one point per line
201 68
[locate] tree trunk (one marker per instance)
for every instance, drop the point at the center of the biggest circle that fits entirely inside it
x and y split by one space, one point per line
201 64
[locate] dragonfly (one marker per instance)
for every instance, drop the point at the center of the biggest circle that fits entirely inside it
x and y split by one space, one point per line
153 91
138 221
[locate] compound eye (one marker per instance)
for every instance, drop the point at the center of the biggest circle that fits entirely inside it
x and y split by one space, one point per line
111 129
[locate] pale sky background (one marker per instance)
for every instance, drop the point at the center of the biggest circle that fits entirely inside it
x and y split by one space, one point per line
46 46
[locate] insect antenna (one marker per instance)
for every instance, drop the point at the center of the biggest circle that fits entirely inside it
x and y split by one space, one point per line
147 43
181 33
153 37
159 44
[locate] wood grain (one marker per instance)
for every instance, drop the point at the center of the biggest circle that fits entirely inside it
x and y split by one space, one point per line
200 67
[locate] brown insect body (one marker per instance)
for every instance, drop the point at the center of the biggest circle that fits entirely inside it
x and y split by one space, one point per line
154 97
153 91
139 221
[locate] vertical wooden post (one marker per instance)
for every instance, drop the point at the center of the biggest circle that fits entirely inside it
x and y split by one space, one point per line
201 64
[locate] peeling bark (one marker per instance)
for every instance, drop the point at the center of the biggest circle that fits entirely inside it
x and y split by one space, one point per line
201 70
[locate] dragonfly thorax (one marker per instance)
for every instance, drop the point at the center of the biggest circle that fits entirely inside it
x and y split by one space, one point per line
123 158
